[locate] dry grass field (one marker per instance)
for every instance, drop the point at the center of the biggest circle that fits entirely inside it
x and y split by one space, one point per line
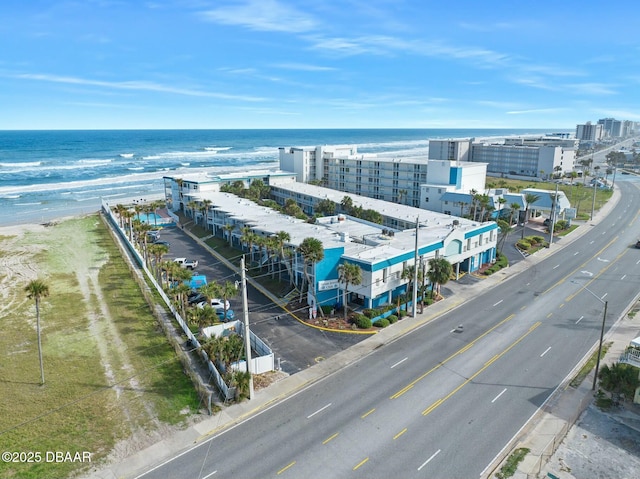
112 382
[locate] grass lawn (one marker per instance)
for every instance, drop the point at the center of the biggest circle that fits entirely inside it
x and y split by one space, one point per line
109 371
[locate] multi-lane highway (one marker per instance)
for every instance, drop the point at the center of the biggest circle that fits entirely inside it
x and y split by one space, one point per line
442 401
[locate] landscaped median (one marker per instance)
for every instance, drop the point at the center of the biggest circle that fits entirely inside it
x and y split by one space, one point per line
110 375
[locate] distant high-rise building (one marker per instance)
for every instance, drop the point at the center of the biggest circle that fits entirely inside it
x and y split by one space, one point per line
612 128
589 132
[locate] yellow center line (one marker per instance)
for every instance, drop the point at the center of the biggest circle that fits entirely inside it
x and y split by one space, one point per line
460 351
400 433
367 413
432 407
286 467
486 365
361 463
330 438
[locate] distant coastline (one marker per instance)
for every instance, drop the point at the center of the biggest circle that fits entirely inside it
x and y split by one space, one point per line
46 174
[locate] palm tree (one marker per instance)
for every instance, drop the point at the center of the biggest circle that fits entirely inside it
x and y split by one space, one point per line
348 273
228 227
249 238
204 208
193 206
281 238
312 252
501 202
514 207
227 290
529 199
402 194
158 251
347 204
440 271
408 274
36 290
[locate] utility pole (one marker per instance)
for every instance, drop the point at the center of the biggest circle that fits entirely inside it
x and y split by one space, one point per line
553 215
247 332
415 272
593 202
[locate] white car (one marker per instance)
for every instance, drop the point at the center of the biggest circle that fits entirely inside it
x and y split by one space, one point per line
215 303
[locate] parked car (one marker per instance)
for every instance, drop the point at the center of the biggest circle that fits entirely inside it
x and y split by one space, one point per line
165 243
214 303
187 263
230 316
638 244
547 222
196 298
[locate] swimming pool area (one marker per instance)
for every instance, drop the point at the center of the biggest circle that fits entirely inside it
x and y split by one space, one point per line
155 219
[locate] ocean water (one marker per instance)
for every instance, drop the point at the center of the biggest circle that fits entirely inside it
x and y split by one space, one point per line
50 174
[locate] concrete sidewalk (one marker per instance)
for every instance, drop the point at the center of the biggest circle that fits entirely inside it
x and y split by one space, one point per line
554 423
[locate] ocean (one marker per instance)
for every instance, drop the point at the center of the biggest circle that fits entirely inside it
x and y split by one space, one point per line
50 174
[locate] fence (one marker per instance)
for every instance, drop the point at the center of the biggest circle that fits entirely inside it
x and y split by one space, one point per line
227 392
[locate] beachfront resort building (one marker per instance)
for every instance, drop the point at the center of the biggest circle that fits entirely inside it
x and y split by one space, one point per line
396 179
535 157
382 251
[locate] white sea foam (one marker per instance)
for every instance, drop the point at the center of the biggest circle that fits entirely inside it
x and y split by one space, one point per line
152 157
10 197
26 164
29 204
136 168
94 162
126 155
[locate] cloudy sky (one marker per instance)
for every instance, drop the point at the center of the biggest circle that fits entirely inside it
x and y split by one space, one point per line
78 64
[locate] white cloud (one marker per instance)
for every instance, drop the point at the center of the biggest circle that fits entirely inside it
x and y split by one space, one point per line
304 67
132 85
262 15
592 89
536 110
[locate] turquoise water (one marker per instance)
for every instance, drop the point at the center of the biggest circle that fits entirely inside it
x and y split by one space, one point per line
47 174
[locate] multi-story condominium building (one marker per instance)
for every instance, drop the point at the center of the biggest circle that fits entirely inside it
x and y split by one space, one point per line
453 150
383 252
611 127
399 180
589 132
520 160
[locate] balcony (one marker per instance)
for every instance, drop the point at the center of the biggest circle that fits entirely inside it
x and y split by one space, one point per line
631 356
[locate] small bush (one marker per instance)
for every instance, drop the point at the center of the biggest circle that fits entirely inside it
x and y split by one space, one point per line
381 323
403 313
392 318
535 239
523 244
561 225
362 321
326 309
369 313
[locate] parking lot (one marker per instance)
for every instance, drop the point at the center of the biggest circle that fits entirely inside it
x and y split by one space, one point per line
295 345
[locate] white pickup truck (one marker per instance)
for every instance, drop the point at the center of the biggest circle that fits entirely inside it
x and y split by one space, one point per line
187 263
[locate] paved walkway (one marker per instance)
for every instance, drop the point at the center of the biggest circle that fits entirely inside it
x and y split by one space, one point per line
553 422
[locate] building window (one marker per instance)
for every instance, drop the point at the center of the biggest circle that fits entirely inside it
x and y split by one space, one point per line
384 275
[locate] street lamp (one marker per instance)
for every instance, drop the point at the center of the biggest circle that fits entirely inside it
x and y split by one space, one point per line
604 318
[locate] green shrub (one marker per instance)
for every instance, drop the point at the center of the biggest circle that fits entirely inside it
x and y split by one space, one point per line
561 225
369 313
362 321
535 239
326 309
392 318
381 323
403 313
523 244
428 301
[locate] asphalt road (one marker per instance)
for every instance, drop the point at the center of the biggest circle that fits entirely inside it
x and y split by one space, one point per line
295 345
441 401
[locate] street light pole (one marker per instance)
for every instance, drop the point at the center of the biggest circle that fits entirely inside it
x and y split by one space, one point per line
604 319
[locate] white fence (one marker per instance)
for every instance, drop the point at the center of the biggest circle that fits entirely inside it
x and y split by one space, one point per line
261 363
227 392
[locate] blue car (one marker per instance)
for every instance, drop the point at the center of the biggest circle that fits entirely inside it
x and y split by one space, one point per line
229 316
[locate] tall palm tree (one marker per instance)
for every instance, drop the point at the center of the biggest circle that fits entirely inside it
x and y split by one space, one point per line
347 204
348 273
440 271
281 238
204 209
227 290
514 207
529 199
36 290
250 239
228 227
501 202
312 252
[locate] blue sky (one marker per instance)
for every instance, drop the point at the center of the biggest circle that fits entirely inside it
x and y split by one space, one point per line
77 64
